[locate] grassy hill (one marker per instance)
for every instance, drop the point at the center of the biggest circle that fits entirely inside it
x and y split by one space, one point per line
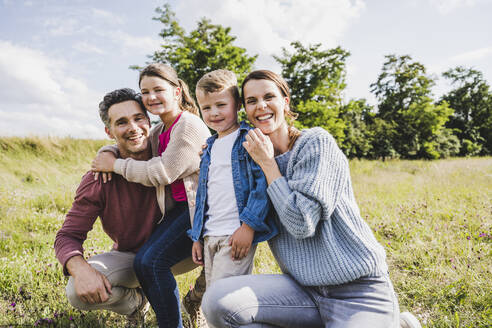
434 219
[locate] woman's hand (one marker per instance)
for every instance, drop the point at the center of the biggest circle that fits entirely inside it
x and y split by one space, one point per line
259 147
241 241
197 252
103 162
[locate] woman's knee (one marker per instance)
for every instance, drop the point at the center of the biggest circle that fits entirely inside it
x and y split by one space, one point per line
222 304
213 308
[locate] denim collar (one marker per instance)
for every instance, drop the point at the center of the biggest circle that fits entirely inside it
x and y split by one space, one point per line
243 126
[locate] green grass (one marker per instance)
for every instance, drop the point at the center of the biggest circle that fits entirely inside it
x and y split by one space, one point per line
433 217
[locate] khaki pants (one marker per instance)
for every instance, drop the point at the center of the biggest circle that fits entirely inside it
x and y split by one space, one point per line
218 261
118 269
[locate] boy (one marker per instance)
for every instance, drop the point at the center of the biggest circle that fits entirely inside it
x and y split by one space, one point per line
231 202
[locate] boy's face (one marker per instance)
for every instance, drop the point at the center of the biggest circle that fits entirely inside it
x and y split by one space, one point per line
219 111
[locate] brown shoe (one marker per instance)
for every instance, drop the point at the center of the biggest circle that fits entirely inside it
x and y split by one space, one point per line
192 301
201 322
192 307
137 318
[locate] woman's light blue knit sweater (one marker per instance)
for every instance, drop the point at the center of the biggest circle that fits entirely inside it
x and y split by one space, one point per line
323 239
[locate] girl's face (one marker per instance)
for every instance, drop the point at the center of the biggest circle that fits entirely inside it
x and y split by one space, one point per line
159 96
265 105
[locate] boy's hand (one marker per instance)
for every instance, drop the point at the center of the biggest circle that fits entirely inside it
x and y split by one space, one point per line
204 146
241 241
197 253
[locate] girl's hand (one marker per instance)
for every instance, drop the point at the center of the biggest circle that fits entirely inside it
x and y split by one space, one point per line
259 147
241 241
103 162
106 176
197 252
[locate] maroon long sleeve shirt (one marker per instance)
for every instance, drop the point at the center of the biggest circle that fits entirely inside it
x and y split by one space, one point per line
128 212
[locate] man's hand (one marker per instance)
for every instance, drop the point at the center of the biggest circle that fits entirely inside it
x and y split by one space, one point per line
91 286
241 241
197 252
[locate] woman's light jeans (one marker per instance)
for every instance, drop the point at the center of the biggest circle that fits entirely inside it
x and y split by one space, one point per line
279 301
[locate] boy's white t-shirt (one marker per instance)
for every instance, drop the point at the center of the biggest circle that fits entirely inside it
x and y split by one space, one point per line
223 215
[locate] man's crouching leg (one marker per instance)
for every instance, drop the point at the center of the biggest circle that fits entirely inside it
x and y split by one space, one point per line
125 295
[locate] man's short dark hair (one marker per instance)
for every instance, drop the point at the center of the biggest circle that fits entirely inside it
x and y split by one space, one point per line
116 97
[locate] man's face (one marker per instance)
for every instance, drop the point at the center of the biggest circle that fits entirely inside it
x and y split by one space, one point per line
129 127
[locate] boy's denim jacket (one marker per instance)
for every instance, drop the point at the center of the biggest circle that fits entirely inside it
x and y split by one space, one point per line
250 187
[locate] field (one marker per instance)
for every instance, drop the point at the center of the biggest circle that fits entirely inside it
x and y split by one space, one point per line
433 217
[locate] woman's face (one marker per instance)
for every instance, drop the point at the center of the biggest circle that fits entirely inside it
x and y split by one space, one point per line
158 95
265 105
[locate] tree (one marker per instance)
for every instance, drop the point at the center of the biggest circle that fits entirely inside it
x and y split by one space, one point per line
316 78
404 93
472 104
381 135
206 48
309 69
357 135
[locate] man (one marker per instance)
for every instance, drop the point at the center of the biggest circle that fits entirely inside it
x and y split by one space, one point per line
128 211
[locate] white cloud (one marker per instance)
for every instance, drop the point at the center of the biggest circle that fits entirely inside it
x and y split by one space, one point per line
265 26
30 124
101 28
86 47
63 26
473 55
38 96
447 6
469 58
108 17
142 44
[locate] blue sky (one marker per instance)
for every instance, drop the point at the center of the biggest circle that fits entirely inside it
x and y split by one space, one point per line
59 58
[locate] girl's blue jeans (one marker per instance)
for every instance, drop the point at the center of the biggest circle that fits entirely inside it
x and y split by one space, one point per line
168 245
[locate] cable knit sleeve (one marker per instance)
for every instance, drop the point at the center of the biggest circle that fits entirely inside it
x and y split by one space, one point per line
179 160
111 149
316 175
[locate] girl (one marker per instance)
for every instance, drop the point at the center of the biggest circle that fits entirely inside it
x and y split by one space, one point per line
335 271
176 141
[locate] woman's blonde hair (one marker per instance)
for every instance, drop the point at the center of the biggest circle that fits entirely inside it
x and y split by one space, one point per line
168 73
283 87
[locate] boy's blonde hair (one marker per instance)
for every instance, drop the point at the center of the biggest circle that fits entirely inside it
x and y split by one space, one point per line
217 81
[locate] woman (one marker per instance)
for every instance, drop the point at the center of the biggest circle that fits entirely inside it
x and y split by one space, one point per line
176 141
335 271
